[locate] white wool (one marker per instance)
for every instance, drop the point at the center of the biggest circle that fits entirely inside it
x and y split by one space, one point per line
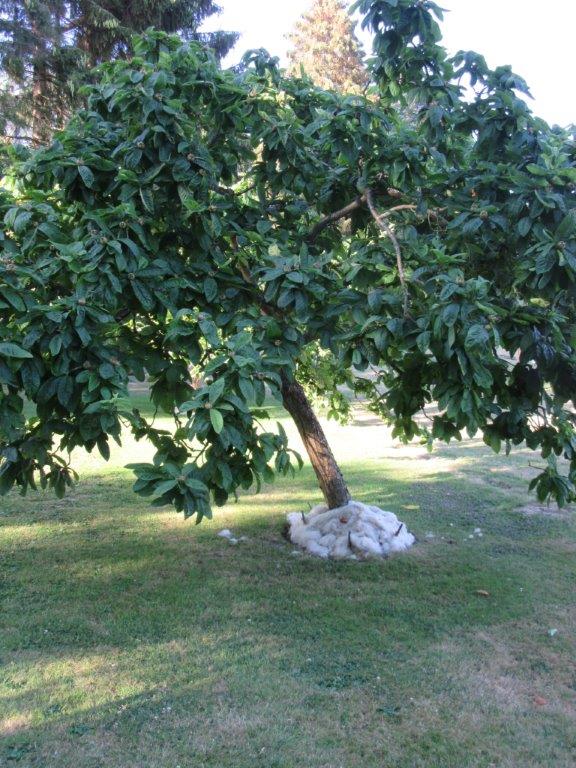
352 531
226 533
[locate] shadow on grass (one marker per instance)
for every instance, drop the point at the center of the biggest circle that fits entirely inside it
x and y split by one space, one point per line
111 570
144 600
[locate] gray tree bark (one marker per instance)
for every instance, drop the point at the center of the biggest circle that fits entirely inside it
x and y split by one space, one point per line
327 471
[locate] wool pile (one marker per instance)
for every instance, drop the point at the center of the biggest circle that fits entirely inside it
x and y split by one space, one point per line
353 531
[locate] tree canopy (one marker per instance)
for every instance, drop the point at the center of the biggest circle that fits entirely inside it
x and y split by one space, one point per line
47 47
187 216
326 47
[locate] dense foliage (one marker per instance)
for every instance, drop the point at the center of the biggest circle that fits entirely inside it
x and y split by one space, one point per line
325 46
47 48
190 216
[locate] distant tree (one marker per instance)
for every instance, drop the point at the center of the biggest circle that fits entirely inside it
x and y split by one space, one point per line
48 46
326 47
105 27
33 61
188 217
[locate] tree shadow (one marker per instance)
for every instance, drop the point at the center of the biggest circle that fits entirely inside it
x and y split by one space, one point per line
217 623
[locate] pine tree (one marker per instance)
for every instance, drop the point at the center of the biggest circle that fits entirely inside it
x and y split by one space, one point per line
47 48
30 58
105 27
326 47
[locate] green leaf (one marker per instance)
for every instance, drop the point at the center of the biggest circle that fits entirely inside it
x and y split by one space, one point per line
21 220
547 259
524 226
147 199
477 336
10 217
263 226
86 175
193 206
210 289
471 226
143 295
247 389
216 389
163 488
537 170
423 341
59 486
132 159
217 420
107 371
196 485
567 227
8 349
14 298
285 298
151 174
103 447
450 314
65 391
274 251
55 345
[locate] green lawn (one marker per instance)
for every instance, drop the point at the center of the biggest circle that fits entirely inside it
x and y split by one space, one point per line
132 639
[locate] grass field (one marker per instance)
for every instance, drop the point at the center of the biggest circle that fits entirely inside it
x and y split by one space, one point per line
131 639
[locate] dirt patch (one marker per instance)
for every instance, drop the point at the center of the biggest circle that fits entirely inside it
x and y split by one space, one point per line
10 726
546 510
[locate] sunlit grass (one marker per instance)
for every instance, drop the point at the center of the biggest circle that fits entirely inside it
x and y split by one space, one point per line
132 639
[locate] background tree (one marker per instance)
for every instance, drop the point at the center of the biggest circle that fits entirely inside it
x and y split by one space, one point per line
188 216
326 47
105 27
48 46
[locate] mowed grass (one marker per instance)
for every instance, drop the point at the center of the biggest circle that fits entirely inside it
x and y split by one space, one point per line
132 639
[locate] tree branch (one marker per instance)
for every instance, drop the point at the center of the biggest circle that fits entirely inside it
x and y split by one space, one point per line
15 137
332 217
231 192
388 211
380 219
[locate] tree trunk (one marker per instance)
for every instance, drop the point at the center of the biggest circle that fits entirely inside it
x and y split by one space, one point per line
327 471
40 129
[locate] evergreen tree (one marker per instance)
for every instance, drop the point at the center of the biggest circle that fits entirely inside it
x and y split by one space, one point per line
48 46
326 47
105 27
32 60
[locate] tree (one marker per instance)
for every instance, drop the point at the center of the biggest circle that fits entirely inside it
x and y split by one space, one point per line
47 47
33 59
105 28
327 49
187 216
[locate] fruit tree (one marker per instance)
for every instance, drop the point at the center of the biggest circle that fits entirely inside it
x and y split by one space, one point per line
280 239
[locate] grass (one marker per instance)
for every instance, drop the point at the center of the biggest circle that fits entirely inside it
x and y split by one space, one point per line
130 639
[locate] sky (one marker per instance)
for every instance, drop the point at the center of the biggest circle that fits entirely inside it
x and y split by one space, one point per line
537 38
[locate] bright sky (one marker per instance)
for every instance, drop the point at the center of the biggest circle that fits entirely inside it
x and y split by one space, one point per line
536 38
